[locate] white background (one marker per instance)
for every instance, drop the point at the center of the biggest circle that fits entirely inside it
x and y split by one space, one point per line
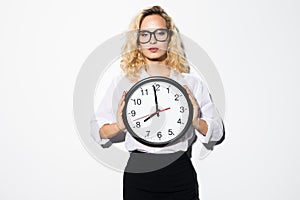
253 43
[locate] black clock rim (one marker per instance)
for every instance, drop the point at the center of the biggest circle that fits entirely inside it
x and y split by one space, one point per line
153 79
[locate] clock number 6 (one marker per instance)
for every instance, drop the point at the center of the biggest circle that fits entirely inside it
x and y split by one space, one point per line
159 135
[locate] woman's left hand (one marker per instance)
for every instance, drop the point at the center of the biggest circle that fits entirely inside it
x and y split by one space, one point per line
195 107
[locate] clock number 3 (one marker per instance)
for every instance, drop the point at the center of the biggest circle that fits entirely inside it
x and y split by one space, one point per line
181 109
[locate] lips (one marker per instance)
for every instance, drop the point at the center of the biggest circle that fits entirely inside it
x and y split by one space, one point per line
153 49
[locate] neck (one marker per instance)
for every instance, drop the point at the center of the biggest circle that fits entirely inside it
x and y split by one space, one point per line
158 69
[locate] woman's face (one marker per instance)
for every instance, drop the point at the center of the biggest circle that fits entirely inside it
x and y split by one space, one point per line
154 38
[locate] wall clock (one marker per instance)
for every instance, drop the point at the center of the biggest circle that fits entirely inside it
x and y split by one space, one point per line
157 111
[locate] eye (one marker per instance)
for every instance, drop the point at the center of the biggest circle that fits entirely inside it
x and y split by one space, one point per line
144 34
161 33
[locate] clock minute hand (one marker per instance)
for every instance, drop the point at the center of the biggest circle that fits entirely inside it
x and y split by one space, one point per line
155 97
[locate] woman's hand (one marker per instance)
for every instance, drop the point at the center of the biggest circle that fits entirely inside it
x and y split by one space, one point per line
120 123
195 107
198 123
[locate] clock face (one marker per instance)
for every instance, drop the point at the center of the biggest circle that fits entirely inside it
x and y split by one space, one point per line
157 111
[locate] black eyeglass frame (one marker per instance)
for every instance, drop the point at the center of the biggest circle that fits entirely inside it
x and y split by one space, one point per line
169 32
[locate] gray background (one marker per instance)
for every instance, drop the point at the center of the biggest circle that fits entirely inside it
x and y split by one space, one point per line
254 45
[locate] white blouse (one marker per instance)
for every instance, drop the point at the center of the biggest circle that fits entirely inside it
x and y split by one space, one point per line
107 109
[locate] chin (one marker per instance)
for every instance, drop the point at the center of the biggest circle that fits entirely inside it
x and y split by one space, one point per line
157 57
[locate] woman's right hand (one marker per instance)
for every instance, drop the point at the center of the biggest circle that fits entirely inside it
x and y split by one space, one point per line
120 123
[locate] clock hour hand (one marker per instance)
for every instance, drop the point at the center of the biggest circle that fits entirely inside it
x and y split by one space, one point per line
155 113
150 116
155 97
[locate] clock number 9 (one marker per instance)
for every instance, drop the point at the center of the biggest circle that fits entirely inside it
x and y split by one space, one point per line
159 135
133 113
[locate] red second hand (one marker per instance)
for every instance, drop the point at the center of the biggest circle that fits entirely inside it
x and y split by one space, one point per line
163 109
151 114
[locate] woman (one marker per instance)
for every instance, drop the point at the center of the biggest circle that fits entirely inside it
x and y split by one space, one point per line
153 48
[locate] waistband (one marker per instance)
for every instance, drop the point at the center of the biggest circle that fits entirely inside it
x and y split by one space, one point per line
141 162
188 152
137 151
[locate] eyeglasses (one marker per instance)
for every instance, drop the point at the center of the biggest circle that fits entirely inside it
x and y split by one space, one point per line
160 35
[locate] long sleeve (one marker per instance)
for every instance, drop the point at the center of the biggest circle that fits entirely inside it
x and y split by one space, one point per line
103 115
208 112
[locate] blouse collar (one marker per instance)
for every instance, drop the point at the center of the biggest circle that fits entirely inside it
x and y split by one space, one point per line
144 74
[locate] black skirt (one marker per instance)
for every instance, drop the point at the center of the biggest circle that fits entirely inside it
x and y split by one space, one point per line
160 177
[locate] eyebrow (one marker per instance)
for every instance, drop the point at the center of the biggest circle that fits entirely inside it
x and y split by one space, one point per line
152 29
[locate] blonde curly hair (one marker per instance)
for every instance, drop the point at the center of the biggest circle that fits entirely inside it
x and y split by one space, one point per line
133 61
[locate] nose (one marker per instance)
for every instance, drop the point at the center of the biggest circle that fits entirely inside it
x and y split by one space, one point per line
152 39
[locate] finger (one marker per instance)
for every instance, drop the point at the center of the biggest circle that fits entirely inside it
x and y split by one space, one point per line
193 99
194 102
188 90
191 96
122 98
121 107
185 87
